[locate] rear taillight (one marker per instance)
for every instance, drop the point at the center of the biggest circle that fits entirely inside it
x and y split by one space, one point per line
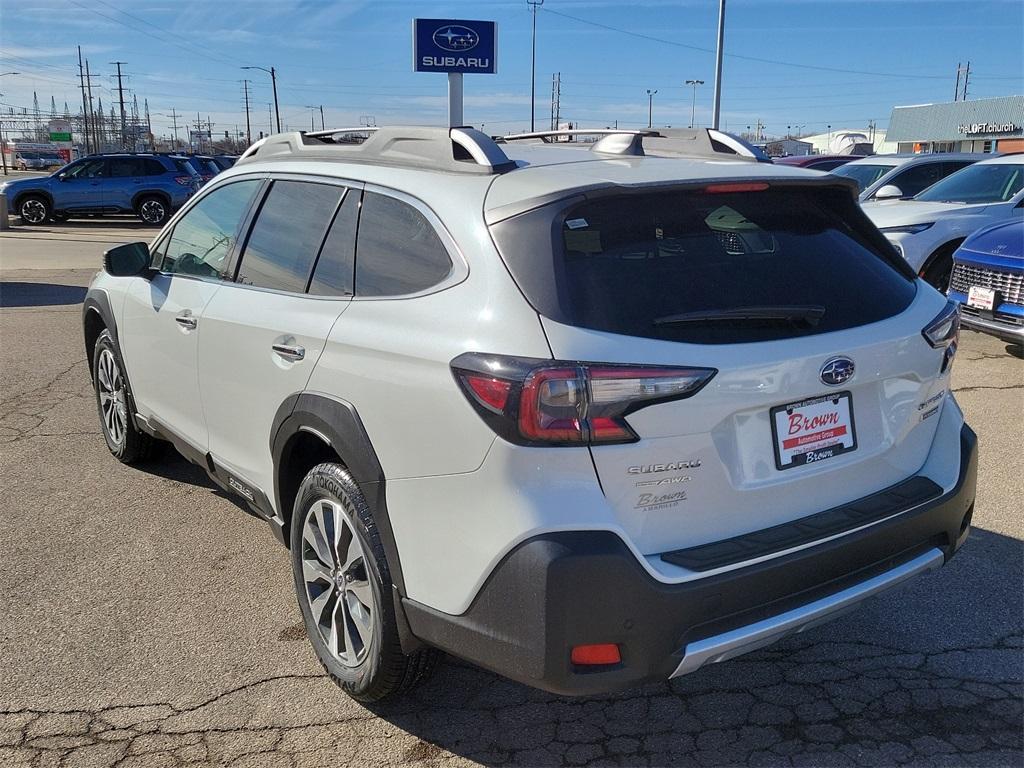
185 181
546 402
943 332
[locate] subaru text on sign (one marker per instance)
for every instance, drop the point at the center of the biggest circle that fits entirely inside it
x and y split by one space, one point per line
448 45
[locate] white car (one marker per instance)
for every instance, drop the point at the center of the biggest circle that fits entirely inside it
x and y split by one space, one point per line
589 418
928 229
887 177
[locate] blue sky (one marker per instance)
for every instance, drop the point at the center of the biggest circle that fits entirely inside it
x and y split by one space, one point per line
857 59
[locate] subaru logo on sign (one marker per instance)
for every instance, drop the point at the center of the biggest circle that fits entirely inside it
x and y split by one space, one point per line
836 371
456 38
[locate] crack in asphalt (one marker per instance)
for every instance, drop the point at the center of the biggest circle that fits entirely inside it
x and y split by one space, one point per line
818 704
22 415
987 386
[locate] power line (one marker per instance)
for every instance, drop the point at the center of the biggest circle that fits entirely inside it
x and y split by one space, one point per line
760 60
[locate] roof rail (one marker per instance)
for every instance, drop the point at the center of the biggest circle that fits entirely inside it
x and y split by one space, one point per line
458 150
665 142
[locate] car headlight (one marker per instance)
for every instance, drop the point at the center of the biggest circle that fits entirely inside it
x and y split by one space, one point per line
907 229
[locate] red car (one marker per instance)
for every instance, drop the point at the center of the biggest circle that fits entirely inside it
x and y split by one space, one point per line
816 162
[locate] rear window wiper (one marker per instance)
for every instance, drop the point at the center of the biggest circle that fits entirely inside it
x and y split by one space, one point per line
807 314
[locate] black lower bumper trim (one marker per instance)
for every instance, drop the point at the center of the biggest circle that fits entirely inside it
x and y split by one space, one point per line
559 590
877 506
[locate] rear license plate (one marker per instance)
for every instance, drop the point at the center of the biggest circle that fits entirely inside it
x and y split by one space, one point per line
813 430
981 298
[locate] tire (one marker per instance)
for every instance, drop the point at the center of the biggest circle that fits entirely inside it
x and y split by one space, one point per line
940 269
355 637
34 210
126 442
153 210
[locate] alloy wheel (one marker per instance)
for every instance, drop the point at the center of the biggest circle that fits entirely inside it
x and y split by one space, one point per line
113 404
33 211
152 211
337 585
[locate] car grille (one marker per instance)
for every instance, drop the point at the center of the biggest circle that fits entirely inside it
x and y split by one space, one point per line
1009 286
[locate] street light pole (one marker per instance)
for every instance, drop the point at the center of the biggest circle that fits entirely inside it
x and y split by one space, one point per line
693 104
273 80
718 65
534 4
650 107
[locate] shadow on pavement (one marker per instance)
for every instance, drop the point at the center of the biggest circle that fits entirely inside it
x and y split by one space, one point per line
931 671
18 294
171 465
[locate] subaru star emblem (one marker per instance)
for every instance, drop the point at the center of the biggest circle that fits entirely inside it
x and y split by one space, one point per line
456 38
836 371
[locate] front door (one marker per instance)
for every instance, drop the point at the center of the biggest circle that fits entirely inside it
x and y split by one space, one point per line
82 186
163 317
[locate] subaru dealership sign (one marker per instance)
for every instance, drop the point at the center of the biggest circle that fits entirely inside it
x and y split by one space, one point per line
454 45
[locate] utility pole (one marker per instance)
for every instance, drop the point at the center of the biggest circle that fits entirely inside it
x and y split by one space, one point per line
120 96
718 65
174 119
322 126
956 91
967 78
248 127
95 127
556 100
650 107
273 80
534 5
85 110
693 104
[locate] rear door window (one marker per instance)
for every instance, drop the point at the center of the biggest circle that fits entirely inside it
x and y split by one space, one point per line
706 268
122 167
334 274
286 238
398 251
917 178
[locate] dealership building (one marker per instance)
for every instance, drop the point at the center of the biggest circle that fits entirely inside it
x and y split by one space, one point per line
981 125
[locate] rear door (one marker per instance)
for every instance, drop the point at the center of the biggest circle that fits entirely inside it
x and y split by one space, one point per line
263 333
125 179
814 331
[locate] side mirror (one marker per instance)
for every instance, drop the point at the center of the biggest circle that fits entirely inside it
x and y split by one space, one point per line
131 260
888 192
62 176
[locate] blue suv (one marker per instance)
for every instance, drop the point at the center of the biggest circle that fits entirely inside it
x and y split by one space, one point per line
988 281
149 185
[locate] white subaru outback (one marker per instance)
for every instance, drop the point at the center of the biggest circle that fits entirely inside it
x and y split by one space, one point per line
588 415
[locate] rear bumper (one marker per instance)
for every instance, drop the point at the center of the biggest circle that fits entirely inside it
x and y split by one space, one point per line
559 590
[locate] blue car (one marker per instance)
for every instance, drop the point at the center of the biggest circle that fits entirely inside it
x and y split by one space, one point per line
988 281
151 186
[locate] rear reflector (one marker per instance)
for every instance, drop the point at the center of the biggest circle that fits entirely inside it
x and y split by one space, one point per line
721 189
596 655
490 392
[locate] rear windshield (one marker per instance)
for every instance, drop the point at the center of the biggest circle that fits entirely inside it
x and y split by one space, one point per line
865 175
706 268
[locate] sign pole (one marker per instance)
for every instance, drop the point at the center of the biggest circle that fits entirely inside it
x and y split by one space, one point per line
454 99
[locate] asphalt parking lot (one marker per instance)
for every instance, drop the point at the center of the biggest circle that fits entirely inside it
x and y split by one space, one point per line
147 620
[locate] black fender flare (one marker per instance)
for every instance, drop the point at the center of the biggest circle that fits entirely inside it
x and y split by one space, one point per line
44 193
337 422
97 301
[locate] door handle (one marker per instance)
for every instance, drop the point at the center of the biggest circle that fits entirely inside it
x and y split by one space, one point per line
291 352
186 321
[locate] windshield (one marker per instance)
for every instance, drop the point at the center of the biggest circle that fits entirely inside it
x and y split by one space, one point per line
865 175
979 183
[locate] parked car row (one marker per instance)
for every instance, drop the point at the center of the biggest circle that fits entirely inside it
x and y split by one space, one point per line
150 185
